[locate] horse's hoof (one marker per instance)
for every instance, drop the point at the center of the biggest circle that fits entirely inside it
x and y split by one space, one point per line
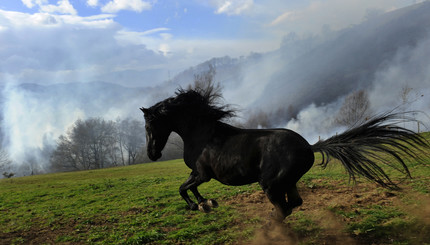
194 207
276 217
212 203
204 207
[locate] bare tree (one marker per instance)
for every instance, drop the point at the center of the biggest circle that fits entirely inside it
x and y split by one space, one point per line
354 110
206 81
263 119
409 96
97 143
66 157
131 140
405 94
5 164
205 84
89 144
258 119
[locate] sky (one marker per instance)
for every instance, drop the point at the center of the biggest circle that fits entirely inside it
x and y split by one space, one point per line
142 43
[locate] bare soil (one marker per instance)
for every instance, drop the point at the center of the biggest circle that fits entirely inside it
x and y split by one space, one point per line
332 227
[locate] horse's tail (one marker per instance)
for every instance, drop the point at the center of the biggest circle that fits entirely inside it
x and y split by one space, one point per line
362 148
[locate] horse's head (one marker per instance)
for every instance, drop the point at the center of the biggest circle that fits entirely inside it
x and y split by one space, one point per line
157 131
187 108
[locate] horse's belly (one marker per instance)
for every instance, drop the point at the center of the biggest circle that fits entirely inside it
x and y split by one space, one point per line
235 173
237 181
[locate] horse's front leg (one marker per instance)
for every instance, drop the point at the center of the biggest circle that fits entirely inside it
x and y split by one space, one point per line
183 190
205 205
191 184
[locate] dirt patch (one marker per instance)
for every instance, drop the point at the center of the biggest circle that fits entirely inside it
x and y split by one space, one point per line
37 234
321 224
57 232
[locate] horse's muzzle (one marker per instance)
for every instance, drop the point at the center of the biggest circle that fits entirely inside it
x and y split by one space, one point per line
154 155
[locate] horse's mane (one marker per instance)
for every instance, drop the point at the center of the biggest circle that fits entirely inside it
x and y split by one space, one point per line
203 103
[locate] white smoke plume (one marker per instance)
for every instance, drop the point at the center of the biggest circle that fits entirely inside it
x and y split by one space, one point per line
402 83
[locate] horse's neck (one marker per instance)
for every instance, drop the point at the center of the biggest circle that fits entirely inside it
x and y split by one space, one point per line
195 132
196 137
201 133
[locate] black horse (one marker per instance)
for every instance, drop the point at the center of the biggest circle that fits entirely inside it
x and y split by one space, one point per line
275 158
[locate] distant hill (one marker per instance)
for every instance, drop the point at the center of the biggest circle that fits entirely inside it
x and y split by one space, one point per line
349 60
92 98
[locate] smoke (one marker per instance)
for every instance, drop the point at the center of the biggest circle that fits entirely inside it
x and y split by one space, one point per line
48 63
28 126
315 123
312 75
402 83
252 80
34 116
410 68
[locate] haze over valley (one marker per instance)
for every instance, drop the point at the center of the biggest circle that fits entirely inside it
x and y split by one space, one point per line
299 83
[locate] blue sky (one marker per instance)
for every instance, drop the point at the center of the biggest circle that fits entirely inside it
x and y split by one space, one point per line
183 18
47 41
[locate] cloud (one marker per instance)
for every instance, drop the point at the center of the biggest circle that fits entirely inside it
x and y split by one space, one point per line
32 3
48 48
62 7
283 17
336 14
164 49
92 3
185 52
17 20
115 6
232 7
155 30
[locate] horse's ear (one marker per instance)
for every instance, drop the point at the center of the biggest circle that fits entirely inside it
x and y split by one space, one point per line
144 110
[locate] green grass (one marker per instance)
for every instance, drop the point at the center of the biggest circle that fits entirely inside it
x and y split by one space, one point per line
129 205
140 204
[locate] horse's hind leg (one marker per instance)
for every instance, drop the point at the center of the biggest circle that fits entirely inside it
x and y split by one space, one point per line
282 207
277 198
294 199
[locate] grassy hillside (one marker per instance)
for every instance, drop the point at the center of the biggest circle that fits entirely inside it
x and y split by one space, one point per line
132 205
140 204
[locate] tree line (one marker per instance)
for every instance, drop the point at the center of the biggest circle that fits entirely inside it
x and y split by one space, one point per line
98 143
